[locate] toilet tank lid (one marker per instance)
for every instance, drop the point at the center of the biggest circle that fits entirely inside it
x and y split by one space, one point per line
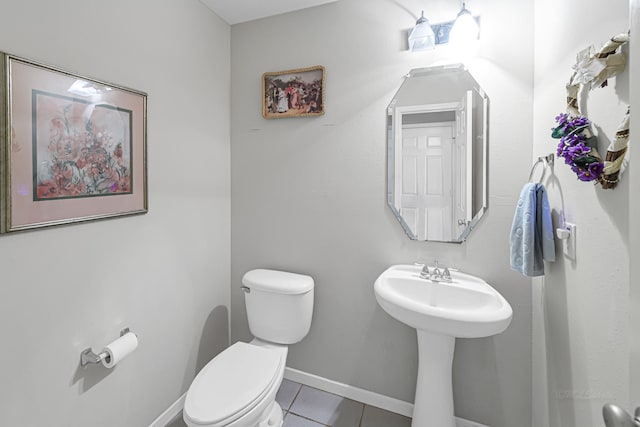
280 282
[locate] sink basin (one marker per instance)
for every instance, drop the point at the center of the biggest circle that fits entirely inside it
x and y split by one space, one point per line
468 307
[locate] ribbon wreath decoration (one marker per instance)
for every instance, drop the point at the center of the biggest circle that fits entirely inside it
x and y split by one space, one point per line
578 144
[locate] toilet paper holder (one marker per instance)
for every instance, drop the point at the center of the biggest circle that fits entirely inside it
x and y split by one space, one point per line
88 356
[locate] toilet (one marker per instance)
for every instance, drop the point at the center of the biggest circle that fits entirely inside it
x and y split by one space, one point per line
238 387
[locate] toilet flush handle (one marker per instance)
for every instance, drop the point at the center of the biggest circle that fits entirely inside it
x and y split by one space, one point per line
246 289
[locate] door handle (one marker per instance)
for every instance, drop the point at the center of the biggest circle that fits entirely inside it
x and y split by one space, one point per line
615 416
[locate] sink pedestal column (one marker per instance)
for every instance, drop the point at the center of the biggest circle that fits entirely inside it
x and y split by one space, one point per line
433 406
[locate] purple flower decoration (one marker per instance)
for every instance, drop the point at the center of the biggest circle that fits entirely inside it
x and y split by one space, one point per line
578 150
568 124
572 139
562 119
591 173
579 122
573 148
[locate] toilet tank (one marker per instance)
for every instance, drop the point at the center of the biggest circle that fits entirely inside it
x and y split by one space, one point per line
279 305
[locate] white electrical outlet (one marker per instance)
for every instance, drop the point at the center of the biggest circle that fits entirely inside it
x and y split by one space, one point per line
569 244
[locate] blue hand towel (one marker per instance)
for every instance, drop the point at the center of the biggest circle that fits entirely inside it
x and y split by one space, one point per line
532 232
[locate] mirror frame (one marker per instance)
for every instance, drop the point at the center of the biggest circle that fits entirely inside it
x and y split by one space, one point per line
394 133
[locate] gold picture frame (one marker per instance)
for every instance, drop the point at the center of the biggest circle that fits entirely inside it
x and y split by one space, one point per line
293 93
73 149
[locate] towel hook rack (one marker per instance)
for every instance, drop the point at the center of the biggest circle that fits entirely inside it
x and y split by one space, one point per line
547 163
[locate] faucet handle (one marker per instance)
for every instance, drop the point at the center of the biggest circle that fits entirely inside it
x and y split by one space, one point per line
446 275
425 274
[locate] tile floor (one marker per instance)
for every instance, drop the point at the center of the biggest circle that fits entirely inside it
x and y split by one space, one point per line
309 407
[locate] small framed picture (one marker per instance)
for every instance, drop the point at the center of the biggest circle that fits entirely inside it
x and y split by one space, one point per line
293 93
73 148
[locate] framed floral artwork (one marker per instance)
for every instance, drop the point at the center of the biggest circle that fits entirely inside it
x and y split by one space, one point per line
293 93
73 148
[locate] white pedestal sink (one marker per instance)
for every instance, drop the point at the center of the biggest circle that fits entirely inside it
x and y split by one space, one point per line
468 307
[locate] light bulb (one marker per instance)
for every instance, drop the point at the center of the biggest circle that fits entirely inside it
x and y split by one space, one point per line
465 30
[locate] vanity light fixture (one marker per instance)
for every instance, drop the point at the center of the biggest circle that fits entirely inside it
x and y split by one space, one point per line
422 36
461 31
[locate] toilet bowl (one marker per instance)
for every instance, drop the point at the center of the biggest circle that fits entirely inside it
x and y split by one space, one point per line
238 387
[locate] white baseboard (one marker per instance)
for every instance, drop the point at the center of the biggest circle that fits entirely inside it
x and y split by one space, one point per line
365 396
354 393
461 422
172 411
350 392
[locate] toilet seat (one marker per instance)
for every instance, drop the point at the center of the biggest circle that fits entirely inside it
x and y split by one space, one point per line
232 384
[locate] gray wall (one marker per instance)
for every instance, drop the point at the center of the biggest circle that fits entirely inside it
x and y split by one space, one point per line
581 309
309 194
164 274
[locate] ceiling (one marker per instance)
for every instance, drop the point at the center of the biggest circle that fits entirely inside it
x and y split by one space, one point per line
237 11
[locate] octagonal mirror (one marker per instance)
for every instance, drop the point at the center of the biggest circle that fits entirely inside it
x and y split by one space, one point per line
437 132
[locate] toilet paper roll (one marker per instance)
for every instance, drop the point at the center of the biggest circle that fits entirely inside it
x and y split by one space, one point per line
119 349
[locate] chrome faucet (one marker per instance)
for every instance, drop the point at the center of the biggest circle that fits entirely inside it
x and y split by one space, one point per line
436 275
